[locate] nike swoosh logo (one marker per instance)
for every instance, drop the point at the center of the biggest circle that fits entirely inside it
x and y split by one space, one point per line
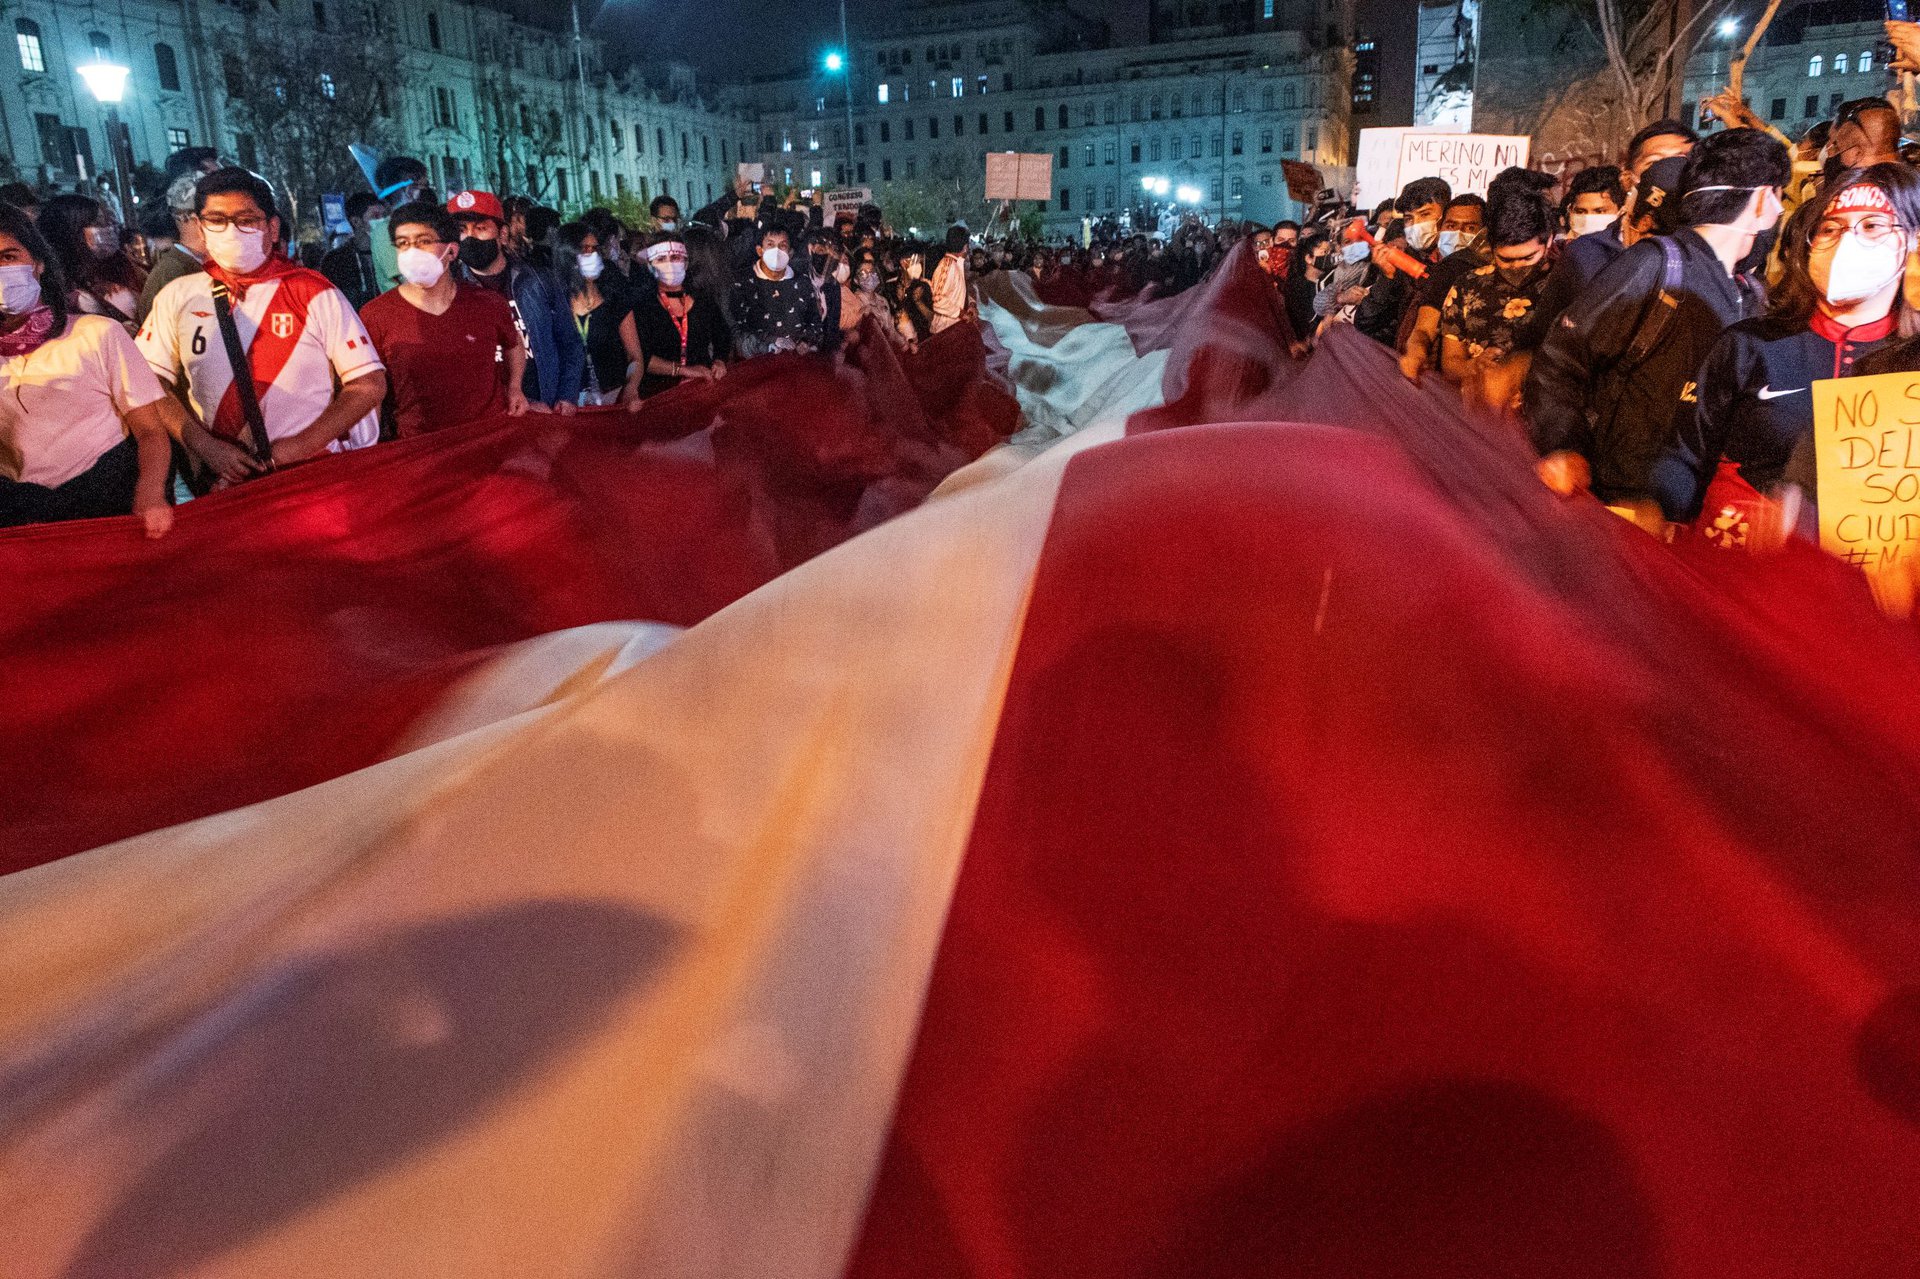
1768 393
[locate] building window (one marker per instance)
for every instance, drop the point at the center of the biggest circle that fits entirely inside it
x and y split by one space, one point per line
1009 122
1266 98
1813 66
983 124
102 47
1173 149
1106 114
1107 154
982 85
1313 139
1179 107
433 29
1133 152
885 132
1217 140
167 67
881 91
1061 115
1216 191
1839 64
683 146
1006 81
912 167
1088 154
786 143
706 150
27 36
1066 199
1287 140
1039 119
326 85
1090 206
1866 61
319 16
859 136
1813 105
1289 97
819 105
861 175
1833 102
660 141
442 108
1239 99
1153 149
959 86
1237 189
907 127
815 180
959 124
1266 10
1239 143
1778 109
886 170
1266 142
933 126
1066 157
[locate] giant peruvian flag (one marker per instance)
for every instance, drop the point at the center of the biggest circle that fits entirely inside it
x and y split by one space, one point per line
1246 826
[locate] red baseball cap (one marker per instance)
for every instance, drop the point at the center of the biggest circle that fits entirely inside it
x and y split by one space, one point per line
477 204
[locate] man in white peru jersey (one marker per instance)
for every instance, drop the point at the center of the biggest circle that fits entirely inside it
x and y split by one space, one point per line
317 376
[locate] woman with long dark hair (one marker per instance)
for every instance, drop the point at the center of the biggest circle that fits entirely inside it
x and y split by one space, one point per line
603 316
83 419
102 278
1840 301
682 329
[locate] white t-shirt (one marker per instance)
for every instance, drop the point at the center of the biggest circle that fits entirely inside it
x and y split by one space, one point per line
301 337
60 406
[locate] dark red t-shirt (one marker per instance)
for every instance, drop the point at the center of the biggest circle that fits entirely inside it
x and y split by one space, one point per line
442 369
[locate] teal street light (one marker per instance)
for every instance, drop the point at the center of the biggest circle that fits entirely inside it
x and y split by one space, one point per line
835 63
107 82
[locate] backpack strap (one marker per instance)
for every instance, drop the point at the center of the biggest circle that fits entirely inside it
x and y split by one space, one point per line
1660 313
242 376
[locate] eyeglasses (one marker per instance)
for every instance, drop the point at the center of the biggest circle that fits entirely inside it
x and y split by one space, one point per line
1872 229
423 242
220 221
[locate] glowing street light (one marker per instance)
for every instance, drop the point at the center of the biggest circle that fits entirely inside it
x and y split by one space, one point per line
107 82
1729 27
834 62
1189 195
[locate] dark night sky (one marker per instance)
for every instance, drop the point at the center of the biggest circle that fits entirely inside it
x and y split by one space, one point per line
730 38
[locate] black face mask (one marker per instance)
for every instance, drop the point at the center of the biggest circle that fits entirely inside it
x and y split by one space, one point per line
479 254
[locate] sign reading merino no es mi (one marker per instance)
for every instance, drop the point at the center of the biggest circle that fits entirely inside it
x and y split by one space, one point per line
1866 438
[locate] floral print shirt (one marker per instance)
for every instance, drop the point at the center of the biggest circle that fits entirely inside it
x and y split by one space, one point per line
1486 313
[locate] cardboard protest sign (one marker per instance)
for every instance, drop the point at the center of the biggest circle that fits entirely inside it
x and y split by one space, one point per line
1303 180
849 199
1866 440
1467 161
754 172
1013 175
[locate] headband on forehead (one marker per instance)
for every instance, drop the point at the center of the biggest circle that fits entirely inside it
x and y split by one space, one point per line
657 251
1861 197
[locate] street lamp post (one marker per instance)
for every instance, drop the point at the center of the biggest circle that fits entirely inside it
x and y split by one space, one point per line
836 63
107 81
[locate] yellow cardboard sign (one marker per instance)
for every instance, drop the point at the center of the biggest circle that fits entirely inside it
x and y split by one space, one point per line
1866 438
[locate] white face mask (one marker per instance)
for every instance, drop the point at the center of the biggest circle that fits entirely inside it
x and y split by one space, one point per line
1579 224
1355 252
237 250
1856 270
669 224
841 271
672 274
19 289
421 267
1452 242
1420 235
775 259
591 266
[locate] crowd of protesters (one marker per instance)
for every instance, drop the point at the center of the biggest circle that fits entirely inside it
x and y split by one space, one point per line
1653 325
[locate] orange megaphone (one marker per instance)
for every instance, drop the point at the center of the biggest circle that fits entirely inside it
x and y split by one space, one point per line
1396 257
